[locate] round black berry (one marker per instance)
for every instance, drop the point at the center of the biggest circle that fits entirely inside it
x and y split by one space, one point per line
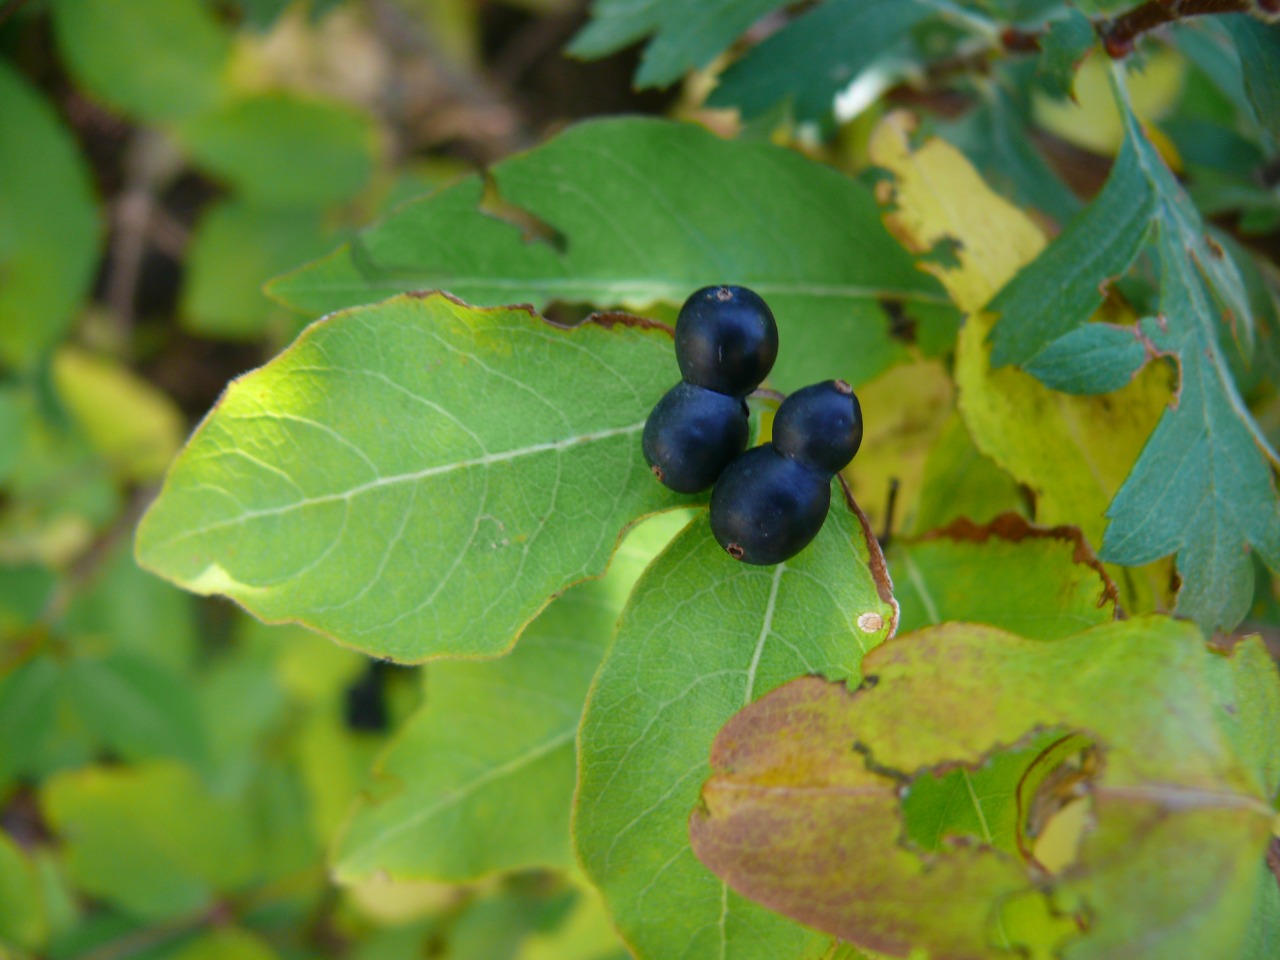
726 340
767 507
820 425
691 436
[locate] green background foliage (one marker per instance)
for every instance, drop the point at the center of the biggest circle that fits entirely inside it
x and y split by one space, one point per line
403 653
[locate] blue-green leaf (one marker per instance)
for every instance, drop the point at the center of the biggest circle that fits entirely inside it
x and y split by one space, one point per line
684 35
1095 358
815 57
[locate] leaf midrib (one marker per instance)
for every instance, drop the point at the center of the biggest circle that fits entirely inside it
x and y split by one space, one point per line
396 479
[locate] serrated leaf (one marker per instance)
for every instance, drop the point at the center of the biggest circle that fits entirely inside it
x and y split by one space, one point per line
685 36
481 779
1258 45
48 223
1046 440
1095 358
159 60
1202 488
816 56
701 637
1049 583
799 821
419 477
138 707
1094 249
148 837
281 150
1063 46
646 211
994 136
235 249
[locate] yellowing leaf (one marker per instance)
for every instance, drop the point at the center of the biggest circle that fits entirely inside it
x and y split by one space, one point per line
131 423
1092 121
1074 452
805 812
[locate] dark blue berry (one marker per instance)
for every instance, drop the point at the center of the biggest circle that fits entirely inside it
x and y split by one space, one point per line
767 507
726 340
691 436
820 425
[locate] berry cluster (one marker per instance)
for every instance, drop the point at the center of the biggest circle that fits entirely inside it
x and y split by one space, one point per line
769 502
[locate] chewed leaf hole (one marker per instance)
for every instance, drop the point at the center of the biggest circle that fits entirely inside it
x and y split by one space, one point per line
1031 800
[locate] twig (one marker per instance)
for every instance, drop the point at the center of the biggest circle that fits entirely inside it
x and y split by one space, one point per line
1119 33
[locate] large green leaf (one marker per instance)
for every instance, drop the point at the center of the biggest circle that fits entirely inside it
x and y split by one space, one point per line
48 223
419 477
1202 488
685 35
481 779
816 56
633 212
159 60
1180 817
1038 583
280 150
148 837
701 637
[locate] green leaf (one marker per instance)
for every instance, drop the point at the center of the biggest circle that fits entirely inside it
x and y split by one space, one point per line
634 212
816 56
995 138
159 60
701 637
25 591
279 150
1039 583
138 707
28 700
1179 821
1258 45
148 837
1095 248
481 779
1095 358
125 609
236 248
1063 46
22 916
419 477
685 36
224 943
1202 488
48 224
